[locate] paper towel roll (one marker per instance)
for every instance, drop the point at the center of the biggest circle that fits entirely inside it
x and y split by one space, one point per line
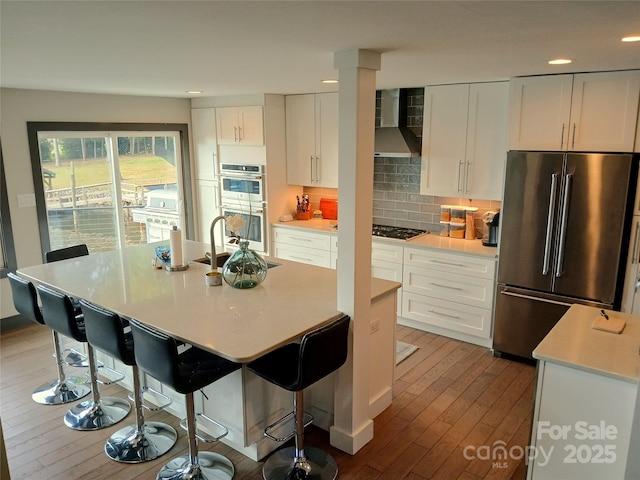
175 242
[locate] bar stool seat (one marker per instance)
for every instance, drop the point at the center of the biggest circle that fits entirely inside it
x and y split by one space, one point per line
99 412
157 355
144 440
71 357
64 389
295 367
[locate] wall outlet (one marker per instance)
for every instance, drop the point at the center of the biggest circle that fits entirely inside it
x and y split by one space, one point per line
375 326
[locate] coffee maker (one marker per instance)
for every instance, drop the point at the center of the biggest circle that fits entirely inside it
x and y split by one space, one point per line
490 223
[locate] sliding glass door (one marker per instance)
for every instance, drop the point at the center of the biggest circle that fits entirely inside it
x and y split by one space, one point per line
96 185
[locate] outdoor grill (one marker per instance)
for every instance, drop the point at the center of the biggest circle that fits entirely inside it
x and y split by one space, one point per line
159 215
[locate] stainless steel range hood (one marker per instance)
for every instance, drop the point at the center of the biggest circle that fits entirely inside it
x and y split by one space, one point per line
393 138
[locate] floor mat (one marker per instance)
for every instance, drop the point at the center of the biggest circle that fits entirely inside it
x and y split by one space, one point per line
403 350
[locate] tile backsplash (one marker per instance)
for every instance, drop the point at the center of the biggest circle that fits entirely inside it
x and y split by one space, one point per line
397 200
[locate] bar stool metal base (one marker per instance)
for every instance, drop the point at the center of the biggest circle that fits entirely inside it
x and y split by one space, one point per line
133 445
58 393
210 466
280 465
91 415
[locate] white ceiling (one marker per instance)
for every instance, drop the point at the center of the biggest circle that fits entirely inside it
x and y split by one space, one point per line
164 48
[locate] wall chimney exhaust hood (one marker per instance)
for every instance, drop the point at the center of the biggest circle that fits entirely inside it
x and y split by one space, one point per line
393 138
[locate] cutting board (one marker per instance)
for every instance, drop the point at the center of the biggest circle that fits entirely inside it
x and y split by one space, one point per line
613 325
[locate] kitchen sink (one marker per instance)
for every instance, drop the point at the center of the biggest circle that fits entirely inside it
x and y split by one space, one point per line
222 257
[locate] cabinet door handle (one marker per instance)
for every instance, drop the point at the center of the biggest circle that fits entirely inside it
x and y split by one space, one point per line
449 263
562 137
444 286
467 179
311 167
573 137
444 314
301 239
459 174
239 134
317 169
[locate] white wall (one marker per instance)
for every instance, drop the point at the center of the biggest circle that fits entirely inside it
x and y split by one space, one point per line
20 106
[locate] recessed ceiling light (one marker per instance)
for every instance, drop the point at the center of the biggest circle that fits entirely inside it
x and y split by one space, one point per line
194 92
560 61
330 80
631 38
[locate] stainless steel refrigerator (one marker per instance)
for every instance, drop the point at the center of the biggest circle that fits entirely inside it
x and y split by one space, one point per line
565 224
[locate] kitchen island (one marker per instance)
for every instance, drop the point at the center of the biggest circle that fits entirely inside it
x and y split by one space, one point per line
240 325
586 417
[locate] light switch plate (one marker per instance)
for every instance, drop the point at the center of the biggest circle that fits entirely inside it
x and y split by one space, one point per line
27 200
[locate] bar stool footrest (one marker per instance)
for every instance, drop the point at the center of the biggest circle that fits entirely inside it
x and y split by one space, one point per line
286 424
159 396
114 375
73 358
202 436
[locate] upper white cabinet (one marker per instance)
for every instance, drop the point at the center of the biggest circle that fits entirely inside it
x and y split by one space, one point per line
203 128
464 140
312 139
582 112
240 125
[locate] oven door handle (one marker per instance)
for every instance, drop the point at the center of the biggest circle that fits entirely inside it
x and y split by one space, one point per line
240 176
241 210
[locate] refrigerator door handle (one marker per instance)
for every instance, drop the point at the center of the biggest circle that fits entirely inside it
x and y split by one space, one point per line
537 299
547 242
563 224
635 258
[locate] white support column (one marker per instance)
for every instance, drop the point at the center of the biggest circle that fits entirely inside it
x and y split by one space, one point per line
352 427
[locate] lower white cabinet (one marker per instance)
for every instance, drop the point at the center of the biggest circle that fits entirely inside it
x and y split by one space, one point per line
449 293
304 247
582 425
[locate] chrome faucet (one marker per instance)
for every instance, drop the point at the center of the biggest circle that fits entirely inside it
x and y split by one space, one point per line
214 259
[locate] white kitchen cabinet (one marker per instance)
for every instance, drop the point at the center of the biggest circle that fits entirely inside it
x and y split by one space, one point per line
312 248
203 131
449 293
583 423
240 125
312 139
386 263
464 140
581 112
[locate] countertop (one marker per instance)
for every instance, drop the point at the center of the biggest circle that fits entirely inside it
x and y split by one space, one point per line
573 343
240 325
433 241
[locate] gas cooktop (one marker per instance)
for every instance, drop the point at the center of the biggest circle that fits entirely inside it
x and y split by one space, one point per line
400 233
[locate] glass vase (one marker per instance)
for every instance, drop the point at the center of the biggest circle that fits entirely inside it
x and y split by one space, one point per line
245 268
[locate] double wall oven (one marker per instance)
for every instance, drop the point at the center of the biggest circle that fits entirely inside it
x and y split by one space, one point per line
242 192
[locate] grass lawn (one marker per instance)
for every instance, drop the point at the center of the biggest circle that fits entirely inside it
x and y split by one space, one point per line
141 170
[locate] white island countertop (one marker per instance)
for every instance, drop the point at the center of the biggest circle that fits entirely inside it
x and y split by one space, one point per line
429 240
573 343
238 324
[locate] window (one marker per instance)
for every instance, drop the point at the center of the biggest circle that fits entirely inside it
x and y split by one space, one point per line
93 182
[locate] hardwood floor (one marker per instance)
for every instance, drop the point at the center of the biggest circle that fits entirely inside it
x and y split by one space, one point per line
449 399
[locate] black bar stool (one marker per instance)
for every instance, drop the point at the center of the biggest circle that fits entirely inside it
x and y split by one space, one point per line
64 389
97 413
157 355
295 367
142 441
71 357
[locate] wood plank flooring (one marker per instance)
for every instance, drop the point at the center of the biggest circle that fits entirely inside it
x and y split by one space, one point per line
450 397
